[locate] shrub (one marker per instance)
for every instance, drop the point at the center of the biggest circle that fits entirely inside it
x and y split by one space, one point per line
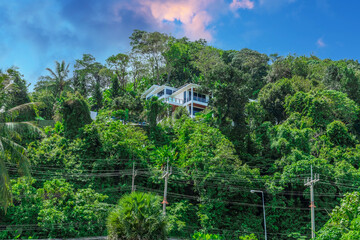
137 216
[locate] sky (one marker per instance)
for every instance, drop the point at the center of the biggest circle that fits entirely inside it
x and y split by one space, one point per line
35 33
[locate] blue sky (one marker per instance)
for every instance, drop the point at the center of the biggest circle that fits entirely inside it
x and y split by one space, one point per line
35 33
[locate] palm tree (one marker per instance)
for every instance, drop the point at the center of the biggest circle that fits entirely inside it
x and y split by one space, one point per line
11 152
155 110
137 216
57 80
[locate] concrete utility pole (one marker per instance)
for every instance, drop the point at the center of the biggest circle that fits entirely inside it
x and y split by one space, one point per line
166 176
311 182
134 173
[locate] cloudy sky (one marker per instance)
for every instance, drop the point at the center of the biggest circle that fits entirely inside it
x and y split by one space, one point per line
35 33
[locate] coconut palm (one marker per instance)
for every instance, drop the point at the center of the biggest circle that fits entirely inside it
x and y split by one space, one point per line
137 216
11 152
57 80
155 110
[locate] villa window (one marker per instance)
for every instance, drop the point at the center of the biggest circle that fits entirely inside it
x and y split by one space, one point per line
199 97
160 93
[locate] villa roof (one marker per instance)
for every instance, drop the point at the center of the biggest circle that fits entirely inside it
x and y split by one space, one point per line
156 88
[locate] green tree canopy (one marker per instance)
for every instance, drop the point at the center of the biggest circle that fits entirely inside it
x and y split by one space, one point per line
324 107
75 113
344 220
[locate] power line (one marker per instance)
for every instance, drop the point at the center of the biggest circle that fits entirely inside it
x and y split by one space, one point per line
127 172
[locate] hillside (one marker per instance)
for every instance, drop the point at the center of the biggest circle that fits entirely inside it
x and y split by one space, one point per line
269 120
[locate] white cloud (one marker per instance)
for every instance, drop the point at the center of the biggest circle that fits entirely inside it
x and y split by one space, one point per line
244 4
320 43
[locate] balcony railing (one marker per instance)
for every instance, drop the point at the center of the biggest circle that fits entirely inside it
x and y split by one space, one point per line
174 100
200 99
181 101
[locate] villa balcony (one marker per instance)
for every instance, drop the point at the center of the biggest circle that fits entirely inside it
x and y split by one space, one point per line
199 100
175 101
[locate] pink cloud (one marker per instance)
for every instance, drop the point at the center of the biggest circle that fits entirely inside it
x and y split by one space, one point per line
197 28
191 14
244 4
320 43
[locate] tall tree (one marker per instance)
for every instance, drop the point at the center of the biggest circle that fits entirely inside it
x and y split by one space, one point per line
10 149
87 74
98 98
18 93
151 46
229 97
57 81
115 88
350 84
138 70
254 65
227 85
332 77
279 69
119 64
180 56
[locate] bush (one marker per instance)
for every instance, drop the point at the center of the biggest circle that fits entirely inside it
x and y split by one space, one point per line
137 216
248 237
338 134
205 236
76 114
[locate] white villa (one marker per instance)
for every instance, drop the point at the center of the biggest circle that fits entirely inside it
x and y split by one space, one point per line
187 96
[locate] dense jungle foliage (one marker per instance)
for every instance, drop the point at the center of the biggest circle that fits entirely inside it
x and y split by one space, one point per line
270 119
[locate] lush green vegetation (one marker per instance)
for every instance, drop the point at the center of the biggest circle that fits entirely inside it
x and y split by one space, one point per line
270 119
137 216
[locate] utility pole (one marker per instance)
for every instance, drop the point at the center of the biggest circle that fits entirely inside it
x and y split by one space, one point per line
166 176
134 173
311 182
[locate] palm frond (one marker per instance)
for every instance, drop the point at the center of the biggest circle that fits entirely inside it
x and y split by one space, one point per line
8 132
22 127
9 86
25 106
16 154
52 73
66 70
2 150
23 111
47 83
5 193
